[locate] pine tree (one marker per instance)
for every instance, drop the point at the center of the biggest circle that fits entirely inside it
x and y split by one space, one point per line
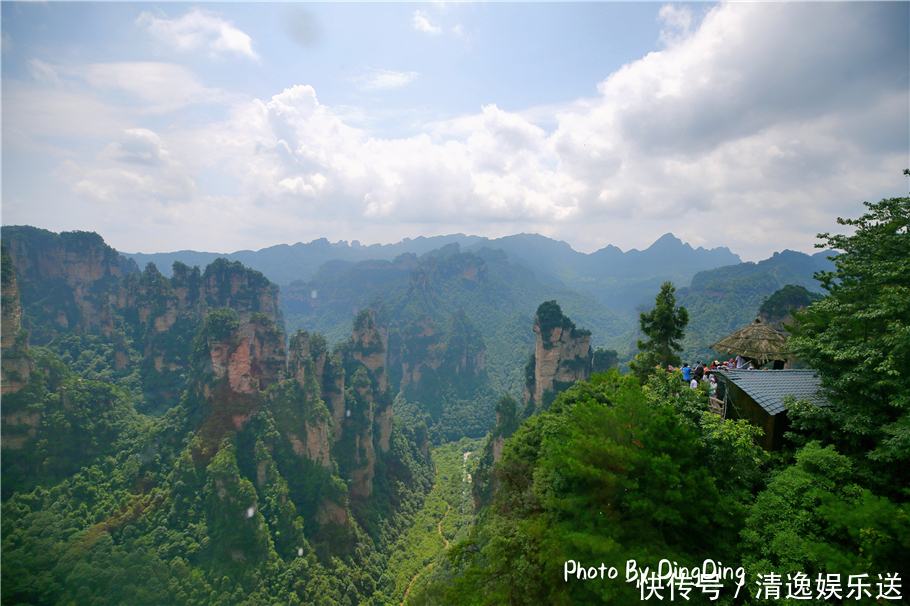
665 326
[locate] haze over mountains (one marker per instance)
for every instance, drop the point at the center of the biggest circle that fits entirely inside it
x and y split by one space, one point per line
615 277
324 283
303 428
285 263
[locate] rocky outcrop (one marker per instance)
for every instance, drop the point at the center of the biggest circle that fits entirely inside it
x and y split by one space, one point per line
327 373
74 282
562 355
267 349
316 442
370 346
461 349
419 350
69 278
15 364
368 404
484 482
331 512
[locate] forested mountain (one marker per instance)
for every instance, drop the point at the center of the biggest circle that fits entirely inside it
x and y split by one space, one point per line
433 428
619 280
623 493
493 301
721 293
723 300
270 472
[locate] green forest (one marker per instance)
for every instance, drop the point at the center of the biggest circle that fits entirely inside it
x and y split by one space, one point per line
446 427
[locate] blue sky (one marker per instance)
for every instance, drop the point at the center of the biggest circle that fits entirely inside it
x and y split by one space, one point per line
227 126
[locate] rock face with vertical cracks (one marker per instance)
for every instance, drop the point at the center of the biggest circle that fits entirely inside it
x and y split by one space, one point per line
15 364
368 403
562 355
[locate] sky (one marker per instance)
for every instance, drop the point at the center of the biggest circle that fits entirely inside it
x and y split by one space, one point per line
230 126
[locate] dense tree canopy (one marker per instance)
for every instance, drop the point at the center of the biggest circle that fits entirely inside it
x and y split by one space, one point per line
858 339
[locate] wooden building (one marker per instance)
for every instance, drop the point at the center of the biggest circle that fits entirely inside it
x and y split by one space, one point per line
758 395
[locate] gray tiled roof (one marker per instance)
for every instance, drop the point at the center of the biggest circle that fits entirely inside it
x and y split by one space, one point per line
770 387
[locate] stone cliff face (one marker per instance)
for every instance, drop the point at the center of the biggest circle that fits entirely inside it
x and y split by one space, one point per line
368 401
226 390
312 439
460 350
67 279
164 313
562 355
15 365
72 282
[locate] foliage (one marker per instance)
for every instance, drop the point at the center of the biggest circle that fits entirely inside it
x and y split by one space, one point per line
665 326
549 317
858 339
813 518
791 296
604 475
604 359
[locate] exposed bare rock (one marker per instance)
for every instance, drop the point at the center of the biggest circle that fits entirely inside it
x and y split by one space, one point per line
11 435
384 419
327 371
15 365
81 260
267 350
369 347
562 354
318 445
362 475
331 512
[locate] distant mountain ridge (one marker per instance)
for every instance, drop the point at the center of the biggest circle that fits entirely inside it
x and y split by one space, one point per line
552 261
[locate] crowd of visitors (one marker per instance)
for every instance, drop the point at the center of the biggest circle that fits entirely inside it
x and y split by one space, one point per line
702 373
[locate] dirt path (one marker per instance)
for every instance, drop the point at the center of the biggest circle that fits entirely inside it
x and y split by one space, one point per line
430 565
438 528
408 591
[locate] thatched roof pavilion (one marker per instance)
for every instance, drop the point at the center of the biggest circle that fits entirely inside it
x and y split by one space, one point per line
757 342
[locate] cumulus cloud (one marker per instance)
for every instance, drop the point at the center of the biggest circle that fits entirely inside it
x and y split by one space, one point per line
422 24
199 28
747 129
382 79
136 167
139 146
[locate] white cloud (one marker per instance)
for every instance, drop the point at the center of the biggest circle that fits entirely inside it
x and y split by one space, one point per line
134 169
383 79
139 146
42 72
422 24
748 130
677 21
200 28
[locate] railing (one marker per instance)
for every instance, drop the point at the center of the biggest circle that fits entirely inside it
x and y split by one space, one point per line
717 406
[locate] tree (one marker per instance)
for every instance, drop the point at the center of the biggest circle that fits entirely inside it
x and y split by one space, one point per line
665 326
605 475
858 339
